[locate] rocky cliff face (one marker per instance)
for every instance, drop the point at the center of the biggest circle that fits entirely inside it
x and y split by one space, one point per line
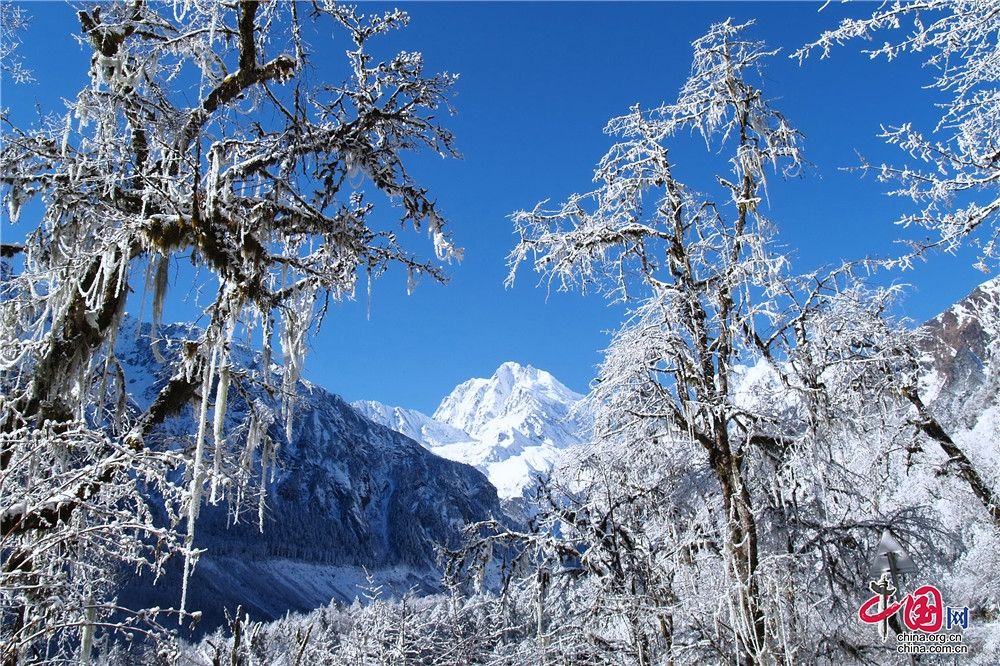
961 346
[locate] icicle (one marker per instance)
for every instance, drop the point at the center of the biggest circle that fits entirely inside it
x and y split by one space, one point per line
352 166
246 459
289 418
159 293
120 407
180 10
211 27
221 396
66 132
92 297
197 479
411 280
443 248
212 179
146 289
109 357
221 401
83 117
123 266
264 458
14 203
273 460
266 327
295 325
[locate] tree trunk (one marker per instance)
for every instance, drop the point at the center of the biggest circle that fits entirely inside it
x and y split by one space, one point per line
741 548
933 429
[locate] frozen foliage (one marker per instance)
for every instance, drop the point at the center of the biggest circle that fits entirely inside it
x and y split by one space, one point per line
13 20
258 183
705 279
375 631
958 185
752 425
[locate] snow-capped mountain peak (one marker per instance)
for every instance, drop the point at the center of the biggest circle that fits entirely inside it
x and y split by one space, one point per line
476 404
512 426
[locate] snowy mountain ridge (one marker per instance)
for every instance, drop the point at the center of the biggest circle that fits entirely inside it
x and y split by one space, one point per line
412 423
513 426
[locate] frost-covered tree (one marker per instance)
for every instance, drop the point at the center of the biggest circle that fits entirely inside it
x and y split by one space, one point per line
705 272
957 186
719 476
201 138
433 630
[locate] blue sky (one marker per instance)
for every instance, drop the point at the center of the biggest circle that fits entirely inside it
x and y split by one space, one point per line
537 83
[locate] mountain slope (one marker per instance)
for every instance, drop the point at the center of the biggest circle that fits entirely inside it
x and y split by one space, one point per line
347 493
961 376
961 348
513 426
